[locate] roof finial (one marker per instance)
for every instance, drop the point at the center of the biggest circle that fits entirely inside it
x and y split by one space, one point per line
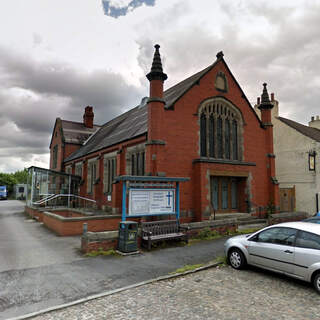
156 72
265 101
220 55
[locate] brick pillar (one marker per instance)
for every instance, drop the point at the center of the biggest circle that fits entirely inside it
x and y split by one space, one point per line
156 111
266 107
116 201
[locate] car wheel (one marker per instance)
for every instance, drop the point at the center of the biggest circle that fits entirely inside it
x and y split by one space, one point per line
236 259
316 282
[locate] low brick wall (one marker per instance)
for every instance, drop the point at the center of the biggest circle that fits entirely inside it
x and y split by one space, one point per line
95 241
74 226
34 213
287 217
220 226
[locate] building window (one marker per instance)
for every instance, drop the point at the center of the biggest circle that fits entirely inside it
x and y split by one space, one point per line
203 134
137 163
109 172
234 140
78 169
93 173
227 139
312 161
211 134
69 169
220 130
55 157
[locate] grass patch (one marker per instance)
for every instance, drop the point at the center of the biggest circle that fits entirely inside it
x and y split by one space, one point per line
208 234
246 231
222 260
101 252
187 267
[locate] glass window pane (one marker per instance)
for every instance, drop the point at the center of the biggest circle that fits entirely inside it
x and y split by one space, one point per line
308 240
227 139
283 236
235 140
224 187
211 136
219 138
234 194
203 136
215 193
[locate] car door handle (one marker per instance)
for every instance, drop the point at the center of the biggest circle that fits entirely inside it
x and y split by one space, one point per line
288 251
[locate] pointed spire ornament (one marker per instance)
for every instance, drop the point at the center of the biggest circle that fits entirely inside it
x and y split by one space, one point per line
265 101
156 72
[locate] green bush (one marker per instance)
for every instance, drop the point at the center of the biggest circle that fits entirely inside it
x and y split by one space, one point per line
207 234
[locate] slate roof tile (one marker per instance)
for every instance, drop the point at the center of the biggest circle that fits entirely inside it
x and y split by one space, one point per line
76 132
310 132
134 122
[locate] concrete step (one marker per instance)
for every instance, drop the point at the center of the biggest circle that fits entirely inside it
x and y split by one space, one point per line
252 221
252 226
238 215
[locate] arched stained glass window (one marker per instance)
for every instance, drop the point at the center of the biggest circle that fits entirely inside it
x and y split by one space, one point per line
211 136
227 139
220 130
203 135
235 140
219 138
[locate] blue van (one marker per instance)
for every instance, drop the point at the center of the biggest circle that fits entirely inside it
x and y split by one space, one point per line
3 192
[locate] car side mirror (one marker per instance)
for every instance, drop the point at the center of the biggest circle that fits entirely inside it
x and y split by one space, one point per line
254 238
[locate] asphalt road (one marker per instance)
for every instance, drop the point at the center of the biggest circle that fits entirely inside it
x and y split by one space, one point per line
41 270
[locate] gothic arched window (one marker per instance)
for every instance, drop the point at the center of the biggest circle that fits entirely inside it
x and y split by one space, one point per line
220 130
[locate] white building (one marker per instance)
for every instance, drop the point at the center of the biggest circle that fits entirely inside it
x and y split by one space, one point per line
297 151
21 191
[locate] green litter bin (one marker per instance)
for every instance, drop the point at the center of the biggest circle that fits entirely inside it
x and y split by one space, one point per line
128 236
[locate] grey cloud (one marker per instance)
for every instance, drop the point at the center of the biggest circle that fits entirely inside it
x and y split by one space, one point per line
33 94
287 59
117 11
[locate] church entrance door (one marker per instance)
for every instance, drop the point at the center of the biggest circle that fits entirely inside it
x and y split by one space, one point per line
224 194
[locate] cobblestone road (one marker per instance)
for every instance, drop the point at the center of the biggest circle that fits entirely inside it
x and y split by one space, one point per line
219 293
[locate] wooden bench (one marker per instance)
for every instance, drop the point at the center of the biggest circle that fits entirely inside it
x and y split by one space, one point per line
155 231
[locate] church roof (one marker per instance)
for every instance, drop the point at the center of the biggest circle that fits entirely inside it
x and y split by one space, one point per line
76 132
128 125
310 132
134 122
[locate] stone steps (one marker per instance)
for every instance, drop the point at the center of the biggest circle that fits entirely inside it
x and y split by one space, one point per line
252 226
245 220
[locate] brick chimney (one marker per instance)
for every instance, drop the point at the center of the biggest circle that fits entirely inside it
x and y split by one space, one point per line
315 122
88 117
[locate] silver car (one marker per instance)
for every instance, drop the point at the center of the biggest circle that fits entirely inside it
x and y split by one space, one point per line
291 248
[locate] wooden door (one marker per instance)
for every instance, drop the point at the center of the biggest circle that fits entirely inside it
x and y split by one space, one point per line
287 199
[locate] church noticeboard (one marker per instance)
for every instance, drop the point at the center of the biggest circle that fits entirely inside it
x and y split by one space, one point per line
151 201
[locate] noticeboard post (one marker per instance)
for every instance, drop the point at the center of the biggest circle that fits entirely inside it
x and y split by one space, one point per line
150 196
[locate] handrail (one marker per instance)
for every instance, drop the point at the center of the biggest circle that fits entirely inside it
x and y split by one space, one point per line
49 198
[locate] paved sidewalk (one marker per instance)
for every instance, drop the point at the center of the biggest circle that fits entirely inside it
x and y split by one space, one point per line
220 294
30 290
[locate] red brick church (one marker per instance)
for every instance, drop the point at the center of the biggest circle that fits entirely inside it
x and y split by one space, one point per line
203 128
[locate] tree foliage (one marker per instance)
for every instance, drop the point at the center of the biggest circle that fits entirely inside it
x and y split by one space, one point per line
21 176
11 179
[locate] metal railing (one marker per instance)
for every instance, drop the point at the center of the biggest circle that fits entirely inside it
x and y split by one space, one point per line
65 200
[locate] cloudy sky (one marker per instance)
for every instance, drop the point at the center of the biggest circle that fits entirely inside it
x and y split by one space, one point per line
56 57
